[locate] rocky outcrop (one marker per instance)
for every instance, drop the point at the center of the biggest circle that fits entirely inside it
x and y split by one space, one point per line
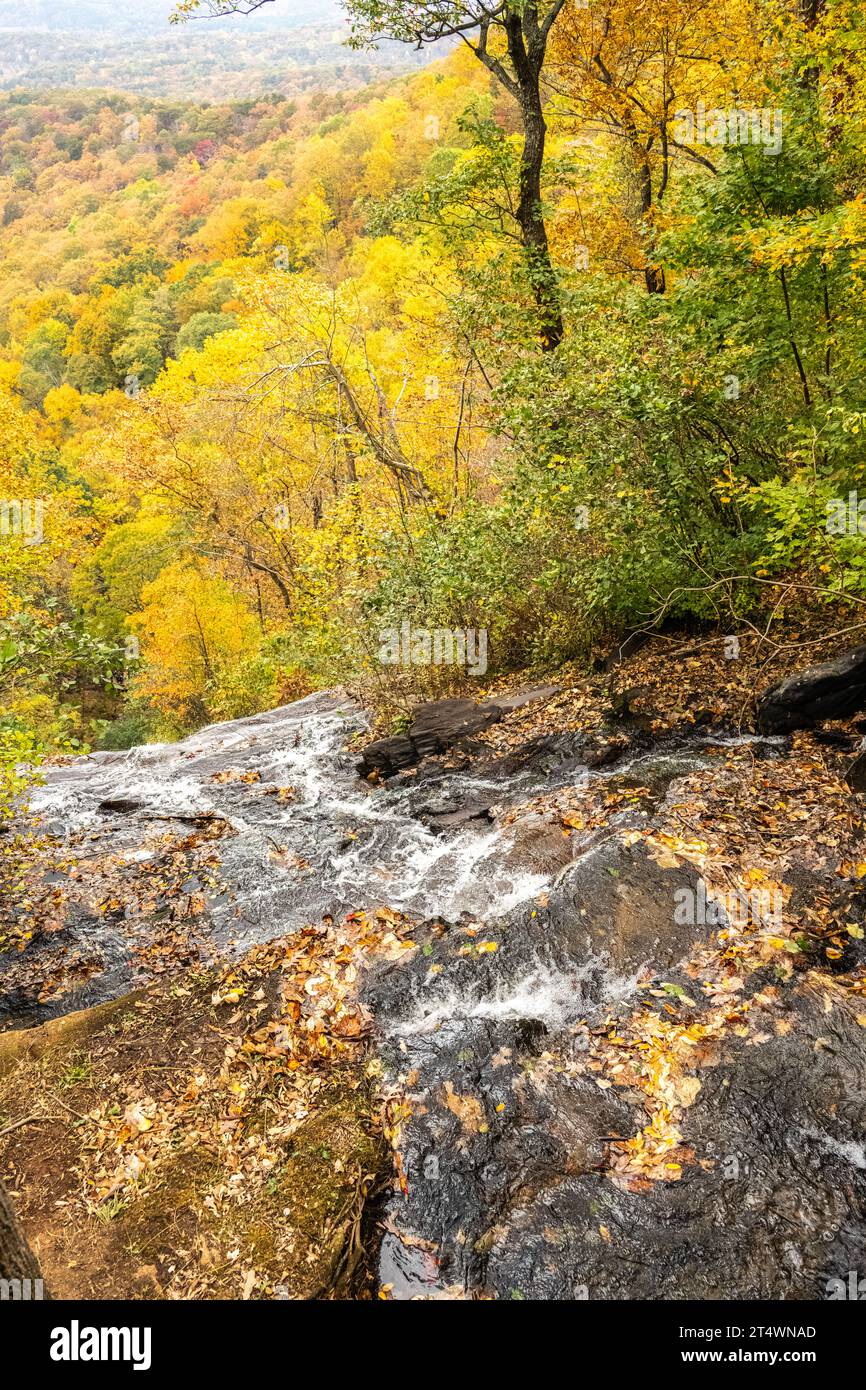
506 1153
437 726
833 690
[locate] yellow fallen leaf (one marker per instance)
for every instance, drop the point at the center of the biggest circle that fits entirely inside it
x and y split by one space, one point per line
686 1090
666 860
468 1109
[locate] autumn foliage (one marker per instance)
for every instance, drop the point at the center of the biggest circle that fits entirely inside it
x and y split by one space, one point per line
282 373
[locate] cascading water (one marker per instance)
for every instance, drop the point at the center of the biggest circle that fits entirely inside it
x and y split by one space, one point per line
333 844
300 835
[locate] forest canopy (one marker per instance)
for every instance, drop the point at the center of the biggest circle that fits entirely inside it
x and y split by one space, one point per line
558 338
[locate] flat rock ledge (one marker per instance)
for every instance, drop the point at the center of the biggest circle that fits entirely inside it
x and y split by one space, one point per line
439 724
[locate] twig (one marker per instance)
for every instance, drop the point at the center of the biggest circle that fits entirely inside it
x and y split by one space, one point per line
77 1113
28 1120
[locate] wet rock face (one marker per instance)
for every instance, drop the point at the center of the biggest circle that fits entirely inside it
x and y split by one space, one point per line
606 915
616 904
777 1211
832 690
499 1133
249 829
469 1172
436 726
504 1150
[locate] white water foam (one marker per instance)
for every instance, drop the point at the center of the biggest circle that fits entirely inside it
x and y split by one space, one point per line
546 994
366 845
847 1149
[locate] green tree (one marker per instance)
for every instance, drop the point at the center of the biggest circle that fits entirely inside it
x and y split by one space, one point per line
510 38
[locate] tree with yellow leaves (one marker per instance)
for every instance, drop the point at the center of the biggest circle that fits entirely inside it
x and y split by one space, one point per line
194 630
630 70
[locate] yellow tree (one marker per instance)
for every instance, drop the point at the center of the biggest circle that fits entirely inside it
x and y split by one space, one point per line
194 630
510 39
631 70
319 391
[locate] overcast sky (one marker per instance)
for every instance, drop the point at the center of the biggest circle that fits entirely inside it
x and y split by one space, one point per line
121 15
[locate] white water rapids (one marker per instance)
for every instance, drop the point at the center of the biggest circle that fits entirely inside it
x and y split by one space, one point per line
336 845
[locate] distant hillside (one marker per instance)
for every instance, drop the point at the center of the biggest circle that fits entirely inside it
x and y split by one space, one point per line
150 16
107 197
290 47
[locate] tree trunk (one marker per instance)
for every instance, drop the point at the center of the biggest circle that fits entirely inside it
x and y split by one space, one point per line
526 40
527 44
533 232
811 11
654 275
17 1260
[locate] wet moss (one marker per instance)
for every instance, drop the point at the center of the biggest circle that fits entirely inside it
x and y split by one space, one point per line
299 1230
60 1035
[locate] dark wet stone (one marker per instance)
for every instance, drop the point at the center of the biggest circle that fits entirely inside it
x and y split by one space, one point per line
388 755
452 820
505 1151
440 724
88 953
618 904
486 1134
833 690
778 1209
435 727
544 752
607 914
835 738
